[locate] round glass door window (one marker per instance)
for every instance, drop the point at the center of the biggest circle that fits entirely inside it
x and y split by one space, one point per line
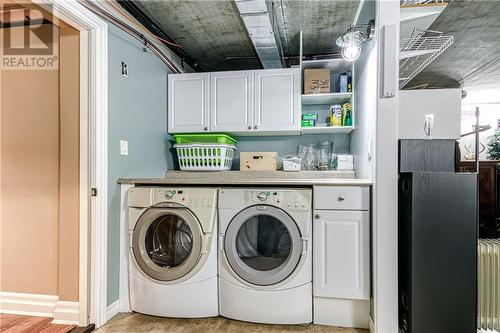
263 245
263 242
167 243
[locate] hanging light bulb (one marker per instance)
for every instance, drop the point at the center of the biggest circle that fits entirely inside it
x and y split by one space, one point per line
350 42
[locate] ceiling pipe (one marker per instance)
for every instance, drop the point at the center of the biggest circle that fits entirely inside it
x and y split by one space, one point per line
262 29
140 15
134 33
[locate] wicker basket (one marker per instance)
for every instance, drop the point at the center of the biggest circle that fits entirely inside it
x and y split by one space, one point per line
205 157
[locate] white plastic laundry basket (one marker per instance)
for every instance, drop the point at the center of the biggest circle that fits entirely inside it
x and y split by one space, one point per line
205 157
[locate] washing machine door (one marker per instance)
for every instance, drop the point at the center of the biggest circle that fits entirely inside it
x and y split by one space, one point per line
166 242
263 245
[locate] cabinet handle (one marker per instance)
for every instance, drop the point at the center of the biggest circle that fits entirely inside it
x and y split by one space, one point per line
255 127
205 128
340 198
317 216
249 127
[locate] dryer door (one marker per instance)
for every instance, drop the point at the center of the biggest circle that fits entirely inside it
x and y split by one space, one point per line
263 245
167 242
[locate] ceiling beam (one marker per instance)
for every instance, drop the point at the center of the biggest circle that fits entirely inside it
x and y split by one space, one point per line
262 29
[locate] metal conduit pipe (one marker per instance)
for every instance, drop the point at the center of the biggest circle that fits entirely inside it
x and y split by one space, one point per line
132 32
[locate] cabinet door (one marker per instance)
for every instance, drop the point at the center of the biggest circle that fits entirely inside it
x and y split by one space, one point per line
341 254
188 102
231 101
277 99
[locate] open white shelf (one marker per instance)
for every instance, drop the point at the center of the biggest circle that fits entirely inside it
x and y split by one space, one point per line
338 65
327 130
324 99
320 103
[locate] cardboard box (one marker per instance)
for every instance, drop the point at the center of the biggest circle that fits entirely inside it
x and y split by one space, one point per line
258 161
316 81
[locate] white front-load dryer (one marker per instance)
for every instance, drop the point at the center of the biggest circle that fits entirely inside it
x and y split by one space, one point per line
173 251
265 261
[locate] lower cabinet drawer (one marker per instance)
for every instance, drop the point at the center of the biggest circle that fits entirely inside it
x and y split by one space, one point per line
342 197
341 254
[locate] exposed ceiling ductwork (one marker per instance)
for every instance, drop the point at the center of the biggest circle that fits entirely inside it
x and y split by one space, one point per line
260 22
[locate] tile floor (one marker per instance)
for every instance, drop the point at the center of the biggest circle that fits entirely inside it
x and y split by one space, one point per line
138 323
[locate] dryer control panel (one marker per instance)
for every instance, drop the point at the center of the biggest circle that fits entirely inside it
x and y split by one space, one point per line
285 199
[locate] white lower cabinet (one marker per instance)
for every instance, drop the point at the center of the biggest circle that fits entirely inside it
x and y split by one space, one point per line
341 254
341 258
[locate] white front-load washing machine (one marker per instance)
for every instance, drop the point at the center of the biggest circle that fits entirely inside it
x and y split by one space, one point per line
265 260
173 251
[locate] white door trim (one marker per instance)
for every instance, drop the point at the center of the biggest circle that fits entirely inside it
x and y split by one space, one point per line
93 156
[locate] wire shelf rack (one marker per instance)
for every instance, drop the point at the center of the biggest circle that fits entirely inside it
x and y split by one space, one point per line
419 2
418 51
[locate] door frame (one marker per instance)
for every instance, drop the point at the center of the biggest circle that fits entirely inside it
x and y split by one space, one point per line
93 156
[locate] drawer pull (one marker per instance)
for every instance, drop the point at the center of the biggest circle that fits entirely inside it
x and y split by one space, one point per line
317 216
340 198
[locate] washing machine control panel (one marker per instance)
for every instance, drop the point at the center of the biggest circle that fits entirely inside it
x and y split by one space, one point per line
284 199
184 196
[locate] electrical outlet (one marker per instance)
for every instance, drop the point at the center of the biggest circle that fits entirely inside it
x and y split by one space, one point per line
123 147
124 69
428 125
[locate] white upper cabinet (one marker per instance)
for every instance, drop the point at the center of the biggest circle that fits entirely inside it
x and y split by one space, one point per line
277 100
240 102
341 254
188 102
231 101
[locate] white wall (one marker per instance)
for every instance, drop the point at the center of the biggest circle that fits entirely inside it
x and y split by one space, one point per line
365 105
385 187
443 104
138 114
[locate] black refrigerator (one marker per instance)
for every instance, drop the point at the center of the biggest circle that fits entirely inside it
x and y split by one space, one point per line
437 227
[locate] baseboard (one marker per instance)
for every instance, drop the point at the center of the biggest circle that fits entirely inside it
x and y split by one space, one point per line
112 310
66 313
28 304
40 306
342 312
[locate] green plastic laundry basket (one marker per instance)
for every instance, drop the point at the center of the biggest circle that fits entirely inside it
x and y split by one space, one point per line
218 138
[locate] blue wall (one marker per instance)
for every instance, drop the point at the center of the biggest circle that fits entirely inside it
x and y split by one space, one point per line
137 113
289 144
283 145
